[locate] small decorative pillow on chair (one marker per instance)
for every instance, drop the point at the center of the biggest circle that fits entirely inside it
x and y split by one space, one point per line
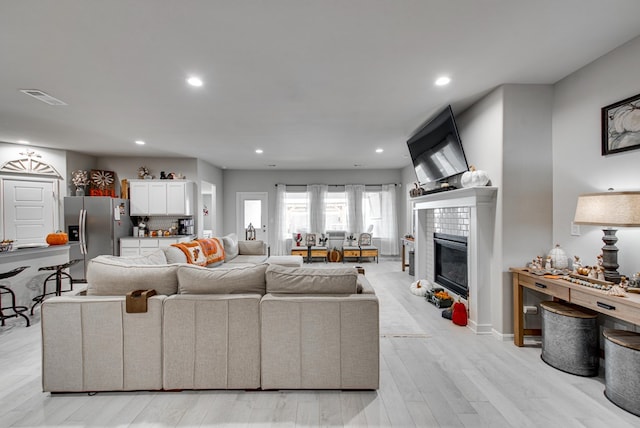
364 239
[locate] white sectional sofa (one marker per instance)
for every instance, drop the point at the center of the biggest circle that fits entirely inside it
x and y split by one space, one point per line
253 326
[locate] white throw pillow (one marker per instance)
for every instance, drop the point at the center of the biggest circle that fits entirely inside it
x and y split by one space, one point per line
230 243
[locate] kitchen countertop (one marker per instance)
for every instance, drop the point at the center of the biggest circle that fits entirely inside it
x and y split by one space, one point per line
24 253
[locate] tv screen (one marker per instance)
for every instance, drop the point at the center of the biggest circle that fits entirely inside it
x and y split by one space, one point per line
436 149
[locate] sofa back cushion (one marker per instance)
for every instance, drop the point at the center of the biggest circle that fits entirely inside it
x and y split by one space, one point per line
294 280
230 243
112 277
251 248
241 280
156 257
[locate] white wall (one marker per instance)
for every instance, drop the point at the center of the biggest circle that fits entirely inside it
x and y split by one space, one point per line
508 134
578 166
265 181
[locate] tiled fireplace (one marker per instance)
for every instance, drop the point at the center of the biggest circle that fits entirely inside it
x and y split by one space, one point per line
465 217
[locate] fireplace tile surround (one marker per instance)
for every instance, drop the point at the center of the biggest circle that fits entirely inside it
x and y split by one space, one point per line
468 212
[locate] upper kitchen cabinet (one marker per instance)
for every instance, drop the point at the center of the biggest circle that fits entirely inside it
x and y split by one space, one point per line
161 197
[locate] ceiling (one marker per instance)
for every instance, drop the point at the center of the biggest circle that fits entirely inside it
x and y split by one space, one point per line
315 84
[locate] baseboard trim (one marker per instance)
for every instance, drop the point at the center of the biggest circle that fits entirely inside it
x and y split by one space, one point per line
504 337
480 329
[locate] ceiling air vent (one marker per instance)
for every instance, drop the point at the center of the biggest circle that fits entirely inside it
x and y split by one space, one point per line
43 96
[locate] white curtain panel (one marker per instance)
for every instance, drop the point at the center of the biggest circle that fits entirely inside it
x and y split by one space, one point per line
389 223
355 215
280 226
317 209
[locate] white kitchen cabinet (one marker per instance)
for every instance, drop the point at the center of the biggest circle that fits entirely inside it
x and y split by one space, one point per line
143 246
161 197
139 198
157 198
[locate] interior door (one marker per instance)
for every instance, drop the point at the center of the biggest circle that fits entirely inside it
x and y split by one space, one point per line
28 210
252 207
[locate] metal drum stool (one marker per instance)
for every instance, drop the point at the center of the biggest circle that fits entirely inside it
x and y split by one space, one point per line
57 276
621 374
570 338
17 310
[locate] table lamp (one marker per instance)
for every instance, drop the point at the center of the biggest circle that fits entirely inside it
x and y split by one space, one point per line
609 209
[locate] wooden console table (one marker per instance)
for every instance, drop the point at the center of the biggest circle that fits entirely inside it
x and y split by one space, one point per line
623 308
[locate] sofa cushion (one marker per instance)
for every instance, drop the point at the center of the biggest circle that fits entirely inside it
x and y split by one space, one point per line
193 251
287 280
251 248
111 277
156 257
174 255
230 243
197 280
213 250
241 259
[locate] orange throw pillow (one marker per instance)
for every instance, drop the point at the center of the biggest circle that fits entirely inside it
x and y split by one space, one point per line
193 251
213 249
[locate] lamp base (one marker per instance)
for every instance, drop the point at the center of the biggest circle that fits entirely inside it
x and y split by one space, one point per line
610 256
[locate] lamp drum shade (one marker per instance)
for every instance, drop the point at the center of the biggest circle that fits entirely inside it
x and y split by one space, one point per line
608 209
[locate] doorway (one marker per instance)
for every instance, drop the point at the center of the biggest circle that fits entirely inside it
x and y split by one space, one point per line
252 208
208 213
28 210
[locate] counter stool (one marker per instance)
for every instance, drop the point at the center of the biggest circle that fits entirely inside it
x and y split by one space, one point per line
57 276
621 374
17 310
570 338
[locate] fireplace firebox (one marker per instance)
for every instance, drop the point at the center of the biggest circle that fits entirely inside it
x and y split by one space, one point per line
451 262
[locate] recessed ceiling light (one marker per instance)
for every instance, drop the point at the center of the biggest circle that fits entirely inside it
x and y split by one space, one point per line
259 151
23 142
442 81
379 150
140 142
195 81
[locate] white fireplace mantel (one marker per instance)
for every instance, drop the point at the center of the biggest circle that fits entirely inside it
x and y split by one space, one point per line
481 202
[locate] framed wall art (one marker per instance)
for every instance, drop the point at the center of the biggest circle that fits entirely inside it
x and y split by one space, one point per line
621 126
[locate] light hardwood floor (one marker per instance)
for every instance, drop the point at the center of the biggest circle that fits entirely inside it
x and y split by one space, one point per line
433 374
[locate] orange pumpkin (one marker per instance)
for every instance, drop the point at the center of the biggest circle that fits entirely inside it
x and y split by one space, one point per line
335 255
58 238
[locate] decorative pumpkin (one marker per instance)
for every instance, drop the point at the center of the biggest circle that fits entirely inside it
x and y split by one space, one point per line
57 238
474 178
559 259
419 288
335 255
459 316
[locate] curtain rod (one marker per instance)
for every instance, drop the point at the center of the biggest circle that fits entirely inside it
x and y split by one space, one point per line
333 185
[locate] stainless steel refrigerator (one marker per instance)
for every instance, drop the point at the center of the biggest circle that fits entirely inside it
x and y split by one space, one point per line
95 225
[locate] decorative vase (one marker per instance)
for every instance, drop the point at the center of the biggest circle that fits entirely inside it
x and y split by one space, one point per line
559 259
79 191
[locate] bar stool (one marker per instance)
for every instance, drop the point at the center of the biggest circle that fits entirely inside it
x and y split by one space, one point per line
17 310
57 276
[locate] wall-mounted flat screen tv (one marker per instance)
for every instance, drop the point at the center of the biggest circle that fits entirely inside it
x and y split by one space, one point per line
436 149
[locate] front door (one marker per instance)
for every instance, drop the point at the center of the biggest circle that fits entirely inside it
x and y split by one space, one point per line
252 208
28 210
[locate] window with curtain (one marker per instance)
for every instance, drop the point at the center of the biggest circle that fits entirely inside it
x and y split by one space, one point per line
353 209
296 210
336 211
